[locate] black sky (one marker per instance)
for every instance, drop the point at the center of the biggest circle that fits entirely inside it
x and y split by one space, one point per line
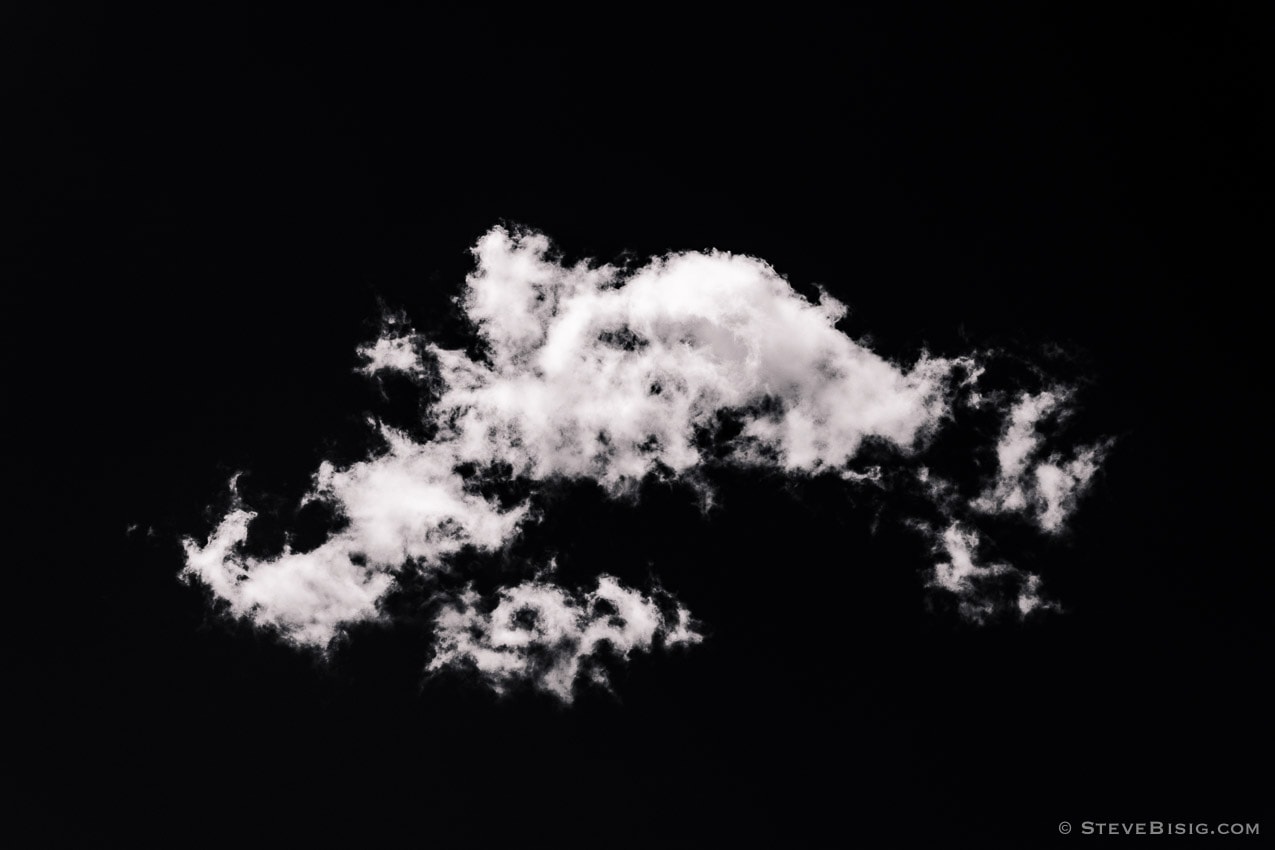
204 213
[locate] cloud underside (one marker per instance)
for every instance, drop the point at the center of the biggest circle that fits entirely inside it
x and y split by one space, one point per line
592 372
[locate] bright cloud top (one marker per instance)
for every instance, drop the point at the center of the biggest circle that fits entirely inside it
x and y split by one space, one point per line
592 372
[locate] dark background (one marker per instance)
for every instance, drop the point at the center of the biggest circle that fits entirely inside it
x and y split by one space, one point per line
205 211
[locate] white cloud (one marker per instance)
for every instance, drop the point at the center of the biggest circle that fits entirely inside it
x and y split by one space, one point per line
542 634
1045 488
405 508
593 372
982 591
305 596
394 349
390 354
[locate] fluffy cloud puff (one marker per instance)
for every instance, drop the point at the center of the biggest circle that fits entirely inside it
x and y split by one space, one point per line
1044 488
542 634
982 591
593 372
406 508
